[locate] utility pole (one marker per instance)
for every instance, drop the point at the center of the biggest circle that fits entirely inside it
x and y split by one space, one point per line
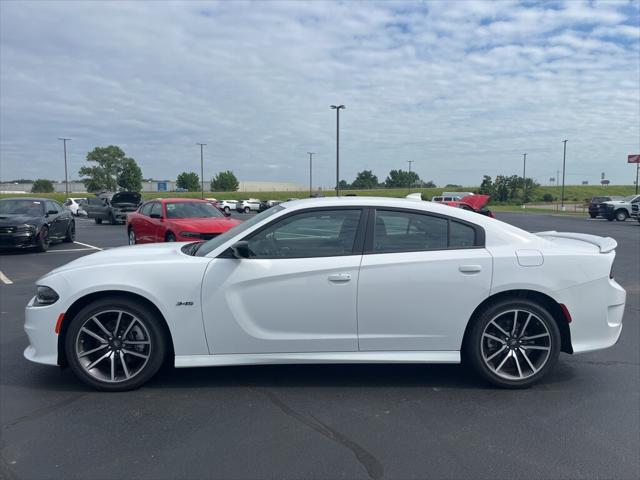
564 161
410 162
201 168
311 154
524 180
557 178
637 170
66 179
337 108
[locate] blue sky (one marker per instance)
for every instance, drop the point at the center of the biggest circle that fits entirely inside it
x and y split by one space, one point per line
461 88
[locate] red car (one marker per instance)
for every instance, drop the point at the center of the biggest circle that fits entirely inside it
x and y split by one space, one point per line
176 220
475 203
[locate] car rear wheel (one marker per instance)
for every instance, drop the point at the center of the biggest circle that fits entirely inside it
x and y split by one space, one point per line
98 220
592 215
71 232
115 344
513 344
132 237
247 209
621 215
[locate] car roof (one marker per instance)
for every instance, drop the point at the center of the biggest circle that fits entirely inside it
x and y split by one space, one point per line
32 199
179 200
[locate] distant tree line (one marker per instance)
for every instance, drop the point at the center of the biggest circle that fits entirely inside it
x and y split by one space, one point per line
396 179
508 188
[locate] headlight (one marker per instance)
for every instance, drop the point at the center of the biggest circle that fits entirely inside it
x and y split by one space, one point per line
190 234
45 296
28 229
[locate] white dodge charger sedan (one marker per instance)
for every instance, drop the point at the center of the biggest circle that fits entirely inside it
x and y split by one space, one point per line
333 280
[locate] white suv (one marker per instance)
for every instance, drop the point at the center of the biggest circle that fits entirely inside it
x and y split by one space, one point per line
246 206
227 205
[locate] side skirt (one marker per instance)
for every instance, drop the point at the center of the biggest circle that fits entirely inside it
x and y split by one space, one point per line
182 361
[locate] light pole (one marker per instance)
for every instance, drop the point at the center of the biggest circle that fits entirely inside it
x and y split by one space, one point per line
337 108
524 180
311 154
201 168
66 179
564 160
409 162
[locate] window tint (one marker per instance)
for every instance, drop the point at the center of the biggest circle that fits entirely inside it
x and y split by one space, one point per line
51 206
400 231
461 235
192 210
325 233
404 231
146 209
156 209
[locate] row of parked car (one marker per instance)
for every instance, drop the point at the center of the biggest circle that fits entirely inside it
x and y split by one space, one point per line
615 208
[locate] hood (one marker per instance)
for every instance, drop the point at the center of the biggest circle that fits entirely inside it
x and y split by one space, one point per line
475 201
128 255
132 198
9 220
205 225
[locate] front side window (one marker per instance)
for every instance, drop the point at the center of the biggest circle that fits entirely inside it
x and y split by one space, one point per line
402 231
192 210
146 209
156 210
316 233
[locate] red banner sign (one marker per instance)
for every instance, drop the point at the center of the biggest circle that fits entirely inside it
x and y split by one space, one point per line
633 158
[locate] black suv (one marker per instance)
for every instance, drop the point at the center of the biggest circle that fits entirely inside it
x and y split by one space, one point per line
594 204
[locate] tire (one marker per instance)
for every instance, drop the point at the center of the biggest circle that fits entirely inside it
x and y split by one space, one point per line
227 210
71 232
621 215
532 362
134 322
98 220
593 215
131 234
43 240
247 210
170 237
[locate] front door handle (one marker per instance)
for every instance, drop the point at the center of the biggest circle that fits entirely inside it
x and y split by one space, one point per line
340 277
470 268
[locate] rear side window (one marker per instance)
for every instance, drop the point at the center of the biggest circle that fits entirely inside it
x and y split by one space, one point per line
403 231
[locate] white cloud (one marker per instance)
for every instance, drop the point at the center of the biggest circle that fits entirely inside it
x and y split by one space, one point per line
462 88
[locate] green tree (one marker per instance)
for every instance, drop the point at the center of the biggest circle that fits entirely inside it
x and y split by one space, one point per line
42 186
130 175
429 184
112 169
365 179
189 181
401 178
225 182
486 187
343 184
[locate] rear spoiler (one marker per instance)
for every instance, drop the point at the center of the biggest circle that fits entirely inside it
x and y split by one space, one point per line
605 244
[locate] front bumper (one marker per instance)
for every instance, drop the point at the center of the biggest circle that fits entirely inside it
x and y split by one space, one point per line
39 325
596 308
18 240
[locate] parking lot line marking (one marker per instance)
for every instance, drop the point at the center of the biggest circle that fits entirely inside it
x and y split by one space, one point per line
87 245
5 279
72 250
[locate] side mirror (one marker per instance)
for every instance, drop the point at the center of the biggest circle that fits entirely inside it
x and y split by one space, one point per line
156 215
241 249
52 212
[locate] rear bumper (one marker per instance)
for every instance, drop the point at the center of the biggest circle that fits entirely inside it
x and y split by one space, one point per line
596 308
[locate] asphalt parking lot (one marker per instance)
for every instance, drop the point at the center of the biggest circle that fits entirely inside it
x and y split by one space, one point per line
400 421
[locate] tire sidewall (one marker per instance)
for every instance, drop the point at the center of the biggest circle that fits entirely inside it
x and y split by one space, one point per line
145 315
71 232
129 234
472 350
43 245
621 215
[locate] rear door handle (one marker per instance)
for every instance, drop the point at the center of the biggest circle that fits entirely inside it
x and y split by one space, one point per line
470 268
340 277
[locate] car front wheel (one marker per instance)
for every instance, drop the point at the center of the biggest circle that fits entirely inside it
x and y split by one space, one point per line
247 209
115 344
43 242
132 237
71 233
227 210
513 344
621 215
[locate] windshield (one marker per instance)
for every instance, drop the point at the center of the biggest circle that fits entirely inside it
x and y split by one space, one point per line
215 242
33 208
192 210
629 198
